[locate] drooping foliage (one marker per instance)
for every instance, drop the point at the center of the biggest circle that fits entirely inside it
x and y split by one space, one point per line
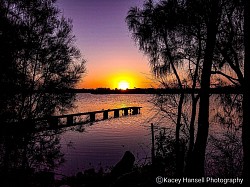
206 38
38 57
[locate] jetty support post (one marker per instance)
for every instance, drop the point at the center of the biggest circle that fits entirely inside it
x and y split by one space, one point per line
92 116
125 111
116 113
70 120
105 114
135 110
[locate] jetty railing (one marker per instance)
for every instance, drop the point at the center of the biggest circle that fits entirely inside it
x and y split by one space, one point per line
54 121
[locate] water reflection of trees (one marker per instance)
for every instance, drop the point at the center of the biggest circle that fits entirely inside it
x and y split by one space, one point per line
224 155
224 149
224 158
229 112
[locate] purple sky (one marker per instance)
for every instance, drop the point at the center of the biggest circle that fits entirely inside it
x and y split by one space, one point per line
105 42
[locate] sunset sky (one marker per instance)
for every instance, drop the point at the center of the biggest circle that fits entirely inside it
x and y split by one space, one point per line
105 42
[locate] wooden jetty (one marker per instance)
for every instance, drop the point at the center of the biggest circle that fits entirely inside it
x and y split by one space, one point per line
54 121
64 121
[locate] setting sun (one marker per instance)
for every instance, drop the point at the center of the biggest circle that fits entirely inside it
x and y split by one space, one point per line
123 85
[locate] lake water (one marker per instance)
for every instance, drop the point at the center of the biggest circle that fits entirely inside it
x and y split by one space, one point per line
103 143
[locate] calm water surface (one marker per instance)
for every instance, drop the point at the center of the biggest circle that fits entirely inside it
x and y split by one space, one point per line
103 143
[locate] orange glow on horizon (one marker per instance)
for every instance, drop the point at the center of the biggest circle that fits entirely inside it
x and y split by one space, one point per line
118 80
123 85
123 81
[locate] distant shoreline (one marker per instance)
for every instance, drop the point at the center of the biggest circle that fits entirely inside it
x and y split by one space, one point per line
220 90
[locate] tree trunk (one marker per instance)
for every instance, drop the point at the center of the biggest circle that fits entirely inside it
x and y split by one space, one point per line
198 158
246 96
191 134
179 153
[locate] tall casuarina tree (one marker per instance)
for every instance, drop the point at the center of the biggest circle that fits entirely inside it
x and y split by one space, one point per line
211 18
38 57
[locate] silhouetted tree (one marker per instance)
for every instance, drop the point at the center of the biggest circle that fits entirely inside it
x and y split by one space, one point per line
38 58
178 32
155 28
205 36
229 51
210 12
39 62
